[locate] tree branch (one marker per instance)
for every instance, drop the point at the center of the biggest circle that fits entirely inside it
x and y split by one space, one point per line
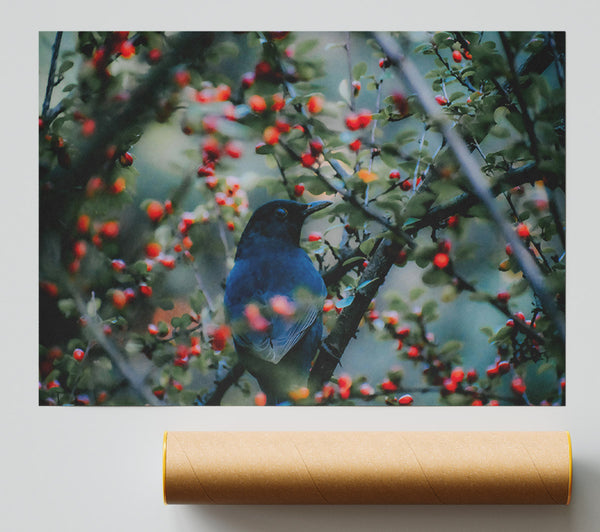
215 396
348 321
51 81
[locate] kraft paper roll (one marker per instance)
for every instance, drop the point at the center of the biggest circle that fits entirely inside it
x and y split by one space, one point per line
367 468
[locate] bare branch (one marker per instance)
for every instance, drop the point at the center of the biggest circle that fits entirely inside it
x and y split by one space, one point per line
51 75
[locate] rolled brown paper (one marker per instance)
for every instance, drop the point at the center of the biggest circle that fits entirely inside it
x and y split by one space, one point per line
367 467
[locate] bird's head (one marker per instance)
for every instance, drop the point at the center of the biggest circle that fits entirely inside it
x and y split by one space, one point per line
279 220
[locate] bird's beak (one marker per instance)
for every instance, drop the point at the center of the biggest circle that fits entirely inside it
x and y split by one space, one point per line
315 206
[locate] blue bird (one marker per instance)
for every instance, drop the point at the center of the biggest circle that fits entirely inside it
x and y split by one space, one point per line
274 299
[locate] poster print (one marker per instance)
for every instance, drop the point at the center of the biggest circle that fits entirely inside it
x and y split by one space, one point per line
279 218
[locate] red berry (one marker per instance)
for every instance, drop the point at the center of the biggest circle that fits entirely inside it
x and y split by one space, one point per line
353 122
80 249
388 386
260 399
117 265
355 145
518 386
344 381
315 146
384 62
257 103
315 237
83 223
168 262
247 80
219 338
182 78
520 316
206 171
328 305
477 402
126 159
441 260
88 127
523 230
315 104
403 332
278 102
110 229
510 323
271 135
503 297
457 375
394 174
453 221
231 226
307 160
154 55
406 185
457 56
356 87
469 57
233 149
50 288
145 290
299 190
153 249
152 329
129 294
159 392
449 385
282 126
127 49
492 371
413 351
223 92
118 298
401 258
441 100
78 354
401 103
118 186
503 367
366 389
155 211
405 400
364 119
471 376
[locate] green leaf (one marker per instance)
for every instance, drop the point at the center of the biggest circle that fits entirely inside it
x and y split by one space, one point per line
359 70
265 149
435 277
488 331
353 260
165 304
367 246
451 346
344 90
66 65
67 307
306 46
416 293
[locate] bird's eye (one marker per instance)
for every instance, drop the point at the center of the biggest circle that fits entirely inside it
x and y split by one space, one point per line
280 213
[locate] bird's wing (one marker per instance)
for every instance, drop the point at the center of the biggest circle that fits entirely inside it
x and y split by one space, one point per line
283 334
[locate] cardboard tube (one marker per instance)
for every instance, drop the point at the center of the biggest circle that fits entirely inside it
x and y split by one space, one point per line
367 467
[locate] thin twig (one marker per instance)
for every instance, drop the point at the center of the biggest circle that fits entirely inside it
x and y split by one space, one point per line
51 75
